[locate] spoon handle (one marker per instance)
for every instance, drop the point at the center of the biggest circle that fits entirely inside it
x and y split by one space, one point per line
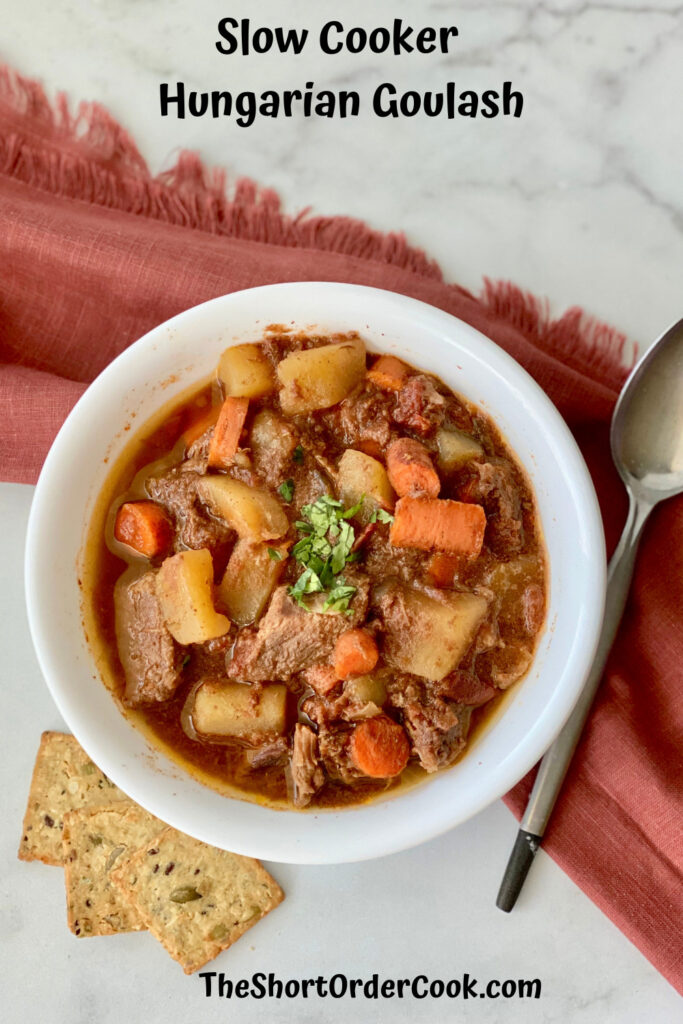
553 767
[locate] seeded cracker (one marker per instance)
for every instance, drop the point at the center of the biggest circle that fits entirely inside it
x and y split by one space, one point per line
196 900
64 779
95 841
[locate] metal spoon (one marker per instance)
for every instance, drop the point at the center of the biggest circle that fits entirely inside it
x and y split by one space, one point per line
647 448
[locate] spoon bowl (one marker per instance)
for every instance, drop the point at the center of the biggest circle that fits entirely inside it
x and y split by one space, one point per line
647 425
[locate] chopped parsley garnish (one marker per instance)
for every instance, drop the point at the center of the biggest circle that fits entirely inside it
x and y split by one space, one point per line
339 597
308 583
286 490
274 555
323 550
379 515
298 455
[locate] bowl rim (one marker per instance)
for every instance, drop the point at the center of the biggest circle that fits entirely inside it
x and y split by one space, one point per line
503 776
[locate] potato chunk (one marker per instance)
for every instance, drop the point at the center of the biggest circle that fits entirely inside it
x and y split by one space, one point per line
320 377
272 438
245 372
360 474
249 579
184 587
252 512
219 708
456 448
366 689
428 636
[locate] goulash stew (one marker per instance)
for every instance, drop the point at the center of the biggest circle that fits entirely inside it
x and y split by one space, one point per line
319 573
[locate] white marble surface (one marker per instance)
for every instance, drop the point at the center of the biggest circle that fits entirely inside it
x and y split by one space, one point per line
579 200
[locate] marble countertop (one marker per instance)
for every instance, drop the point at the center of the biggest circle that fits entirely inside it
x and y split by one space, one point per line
579 200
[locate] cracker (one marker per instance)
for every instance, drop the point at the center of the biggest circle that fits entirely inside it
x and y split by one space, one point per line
195 899
94 841
64 779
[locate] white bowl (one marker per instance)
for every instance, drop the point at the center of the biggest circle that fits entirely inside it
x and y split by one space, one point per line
186 349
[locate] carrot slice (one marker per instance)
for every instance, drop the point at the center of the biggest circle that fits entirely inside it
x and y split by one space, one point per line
410 469
438 524
442 569
379 747
388 373
354 654
198 426
145 527
226 435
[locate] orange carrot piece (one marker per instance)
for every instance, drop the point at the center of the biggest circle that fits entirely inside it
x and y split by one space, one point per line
438 524
145 527
388 373
410 469
198 426
226 435
354 654
442 569
380 747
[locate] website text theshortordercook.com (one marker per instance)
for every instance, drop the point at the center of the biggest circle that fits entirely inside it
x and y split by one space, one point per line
339 986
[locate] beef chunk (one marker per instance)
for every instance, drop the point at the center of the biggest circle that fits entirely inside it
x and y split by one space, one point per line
272 443
493 485
467 688
336 708
437 727
321 710
197 461
150 656
207 660
268 754
364 536
383 560
419 406
309 485
437 731
488 635
334 743
505 666
459 416
218 644
197 455
176 490
365 417
276 346
291 639
307 773
321 678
